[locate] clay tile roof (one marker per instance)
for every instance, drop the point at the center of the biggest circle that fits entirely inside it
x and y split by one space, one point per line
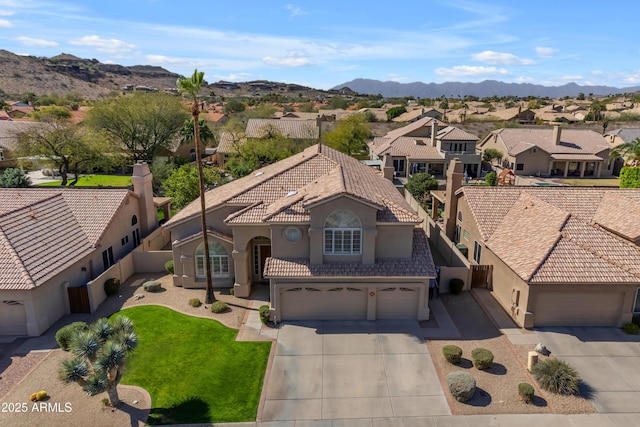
44 231
229 142
295 128
420 265
561 234
453 133
316 175
572 141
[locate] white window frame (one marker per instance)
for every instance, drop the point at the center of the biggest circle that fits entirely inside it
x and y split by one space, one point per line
219 262
342 240
636 306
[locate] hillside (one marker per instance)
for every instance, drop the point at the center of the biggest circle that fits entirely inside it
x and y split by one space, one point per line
483 89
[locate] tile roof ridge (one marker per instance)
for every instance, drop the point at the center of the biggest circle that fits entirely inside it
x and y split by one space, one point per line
387 201
242 211
552 247
24 273
293 200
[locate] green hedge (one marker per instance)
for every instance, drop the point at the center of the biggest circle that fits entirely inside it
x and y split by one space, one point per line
630 177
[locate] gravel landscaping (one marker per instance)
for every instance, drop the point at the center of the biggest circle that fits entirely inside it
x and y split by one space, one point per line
497 387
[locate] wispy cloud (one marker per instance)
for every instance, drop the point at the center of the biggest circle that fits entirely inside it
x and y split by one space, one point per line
6 13
470 71
5 24
571 77
397 78
500 58
104 45
291 60
295 10
546 52
31 42
234 76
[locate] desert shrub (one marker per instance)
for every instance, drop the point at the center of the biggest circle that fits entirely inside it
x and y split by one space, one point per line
195 302
557 376
452 353
169 266
631 328
38 396
525 391
64 334
482 358
219 307
232 290
264 313
462 385
111 286
456 285
152 286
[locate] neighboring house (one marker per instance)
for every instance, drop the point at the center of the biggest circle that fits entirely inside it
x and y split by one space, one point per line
416 114
330 235
298 129
515 114
561 256
9 131
551 151
427 145
228 146
618 137
52 239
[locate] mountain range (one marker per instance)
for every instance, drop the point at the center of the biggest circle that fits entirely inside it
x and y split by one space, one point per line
486 88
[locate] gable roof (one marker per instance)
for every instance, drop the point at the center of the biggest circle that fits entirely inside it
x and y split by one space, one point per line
561 234
286 190
626 134
418 145
44 231
294 128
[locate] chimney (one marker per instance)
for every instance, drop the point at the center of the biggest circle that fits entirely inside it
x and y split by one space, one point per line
387 166
434 129
557 131
455 176
142 186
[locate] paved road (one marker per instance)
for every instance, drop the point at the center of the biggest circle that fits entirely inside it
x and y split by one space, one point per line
348 369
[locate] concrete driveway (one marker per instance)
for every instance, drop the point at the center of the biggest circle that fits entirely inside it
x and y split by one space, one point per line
350 369
607 360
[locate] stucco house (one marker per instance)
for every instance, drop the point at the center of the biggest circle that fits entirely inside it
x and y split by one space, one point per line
551 151
54 239
560 256
427 145
330 236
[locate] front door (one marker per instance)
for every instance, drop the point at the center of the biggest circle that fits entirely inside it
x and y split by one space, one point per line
264 252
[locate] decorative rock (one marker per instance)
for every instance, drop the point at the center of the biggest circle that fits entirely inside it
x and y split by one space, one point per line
152 286
138 296
542 349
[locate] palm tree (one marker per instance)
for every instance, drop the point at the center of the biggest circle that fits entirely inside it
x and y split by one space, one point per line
99 356
190 86
629 151
186 133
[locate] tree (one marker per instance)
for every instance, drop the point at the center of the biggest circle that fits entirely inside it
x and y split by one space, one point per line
190 87
183 184
491 179
394 112
257 153
29 98
233 106
187 132
491 154
338 102
100 354
630 177
141 123
350 135
51 113
14 178
629 151
420 185
66 146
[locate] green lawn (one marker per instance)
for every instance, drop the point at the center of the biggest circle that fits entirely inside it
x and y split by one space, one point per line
193 368
94 181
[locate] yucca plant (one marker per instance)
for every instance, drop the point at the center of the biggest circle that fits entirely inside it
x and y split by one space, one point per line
99 358
557 376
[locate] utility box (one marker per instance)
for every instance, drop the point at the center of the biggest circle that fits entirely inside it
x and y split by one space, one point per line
532 359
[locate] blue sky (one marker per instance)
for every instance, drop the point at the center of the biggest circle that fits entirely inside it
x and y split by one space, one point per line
325 43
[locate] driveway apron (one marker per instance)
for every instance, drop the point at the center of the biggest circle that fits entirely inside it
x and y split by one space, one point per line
352 369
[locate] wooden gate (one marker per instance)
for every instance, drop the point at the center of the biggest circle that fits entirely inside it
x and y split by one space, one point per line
480 275
79 300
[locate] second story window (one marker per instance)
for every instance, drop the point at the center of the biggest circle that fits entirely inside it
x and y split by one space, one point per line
342 234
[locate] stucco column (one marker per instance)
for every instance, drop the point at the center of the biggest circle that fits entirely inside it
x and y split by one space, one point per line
550 168
369 245
435 207
316 245
599 169
566 169
242 285
582 166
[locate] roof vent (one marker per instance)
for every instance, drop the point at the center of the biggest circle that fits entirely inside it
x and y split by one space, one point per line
419 142
292 193
259 173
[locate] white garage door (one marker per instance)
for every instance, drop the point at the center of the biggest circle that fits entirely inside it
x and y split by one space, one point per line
13 318
313 303
397 303
577 309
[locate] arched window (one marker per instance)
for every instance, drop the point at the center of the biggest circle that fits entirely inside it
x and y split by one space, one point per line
218 258
342 234
134 220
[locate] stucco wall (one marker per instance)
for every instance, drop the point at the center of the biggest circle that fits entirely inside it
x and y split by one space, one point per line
394 241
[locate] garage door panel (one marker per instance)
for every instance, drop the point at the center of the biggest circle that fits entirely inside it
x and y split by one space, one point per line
577 308
397 303
312 303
